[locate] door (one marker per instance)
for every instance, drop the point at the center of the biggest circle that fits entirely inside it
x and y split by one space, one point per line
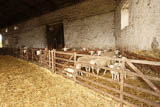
55 36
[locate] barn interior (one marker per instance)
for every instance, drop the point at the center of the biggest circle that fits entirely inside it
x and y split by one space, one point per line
37 36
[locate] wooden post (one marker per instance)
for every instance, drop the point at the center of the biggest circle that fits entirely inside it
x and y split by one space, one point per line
32 54
75 70
54 60
122 81
40 57
27 54
49 58
20 52
52 52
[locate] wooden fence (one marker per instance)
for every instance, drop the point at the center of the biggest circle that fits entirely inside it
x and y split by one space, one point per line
57 61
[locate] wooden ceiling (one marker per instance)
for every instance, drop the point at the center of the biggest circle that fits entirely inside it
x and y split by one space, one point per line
14 11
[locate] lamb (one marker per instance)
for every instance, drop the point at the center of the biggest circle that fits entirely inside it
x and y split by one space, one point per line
115 74
70 70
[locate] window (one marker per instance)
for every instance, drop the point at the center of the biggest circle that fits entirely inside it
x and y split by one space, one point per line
0 40
125 15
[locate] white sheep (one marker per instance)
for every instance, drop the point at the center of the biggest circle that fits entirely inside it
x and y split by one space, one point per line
112 54
70 70
116 74
91 52
108 54
38 52
84 65
100 63
24 51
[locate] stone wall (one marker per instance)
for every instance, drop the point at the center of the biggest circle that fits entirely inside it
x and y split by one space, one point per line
91 32
143 33
34 37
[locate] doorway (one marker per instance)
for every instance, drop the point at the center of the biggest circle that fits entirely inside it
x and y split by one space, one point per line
55 36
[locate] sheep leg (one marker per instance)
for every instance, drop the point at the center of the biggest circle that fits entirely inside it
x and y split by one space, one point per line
98 69
89 69
113 76
104 72
118 77
92 68
81 73
125 75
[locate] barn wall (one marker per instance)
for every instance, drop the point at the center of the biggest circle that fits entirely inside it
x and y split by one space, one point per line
91 32
31 38
143 33
35 38
89 14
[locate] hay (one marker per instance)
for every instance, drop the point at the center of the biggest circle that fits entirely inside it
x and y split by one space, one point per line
135 82
152 53
24 84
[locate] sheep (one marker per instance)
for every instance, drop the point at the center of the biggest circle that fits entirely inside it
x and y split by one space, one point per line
115 74
99 53
108 54
65 49
38 52
112 54
70 70
85 60
101 63
25 50
91 52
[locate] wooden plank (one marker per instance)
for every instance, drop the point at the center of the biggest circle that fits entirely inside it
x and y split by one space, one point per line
64 59
142 100
105 94
122 81
98 84
143 76
141 89
146 76
144 62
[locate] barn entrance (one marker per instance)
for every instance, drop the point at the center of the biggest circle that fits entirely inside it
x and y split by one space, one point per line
55 36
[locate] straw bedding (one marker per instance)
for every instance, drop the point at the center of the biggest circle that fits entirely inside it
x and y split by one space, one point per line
23 84
152 53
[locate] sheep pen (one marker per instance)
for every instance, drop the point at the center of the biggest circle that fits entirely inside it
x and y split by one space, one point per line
131 80
28 85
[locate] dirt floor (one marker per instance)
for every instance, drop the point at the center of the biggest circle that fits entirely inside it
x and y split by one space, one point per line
23 84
